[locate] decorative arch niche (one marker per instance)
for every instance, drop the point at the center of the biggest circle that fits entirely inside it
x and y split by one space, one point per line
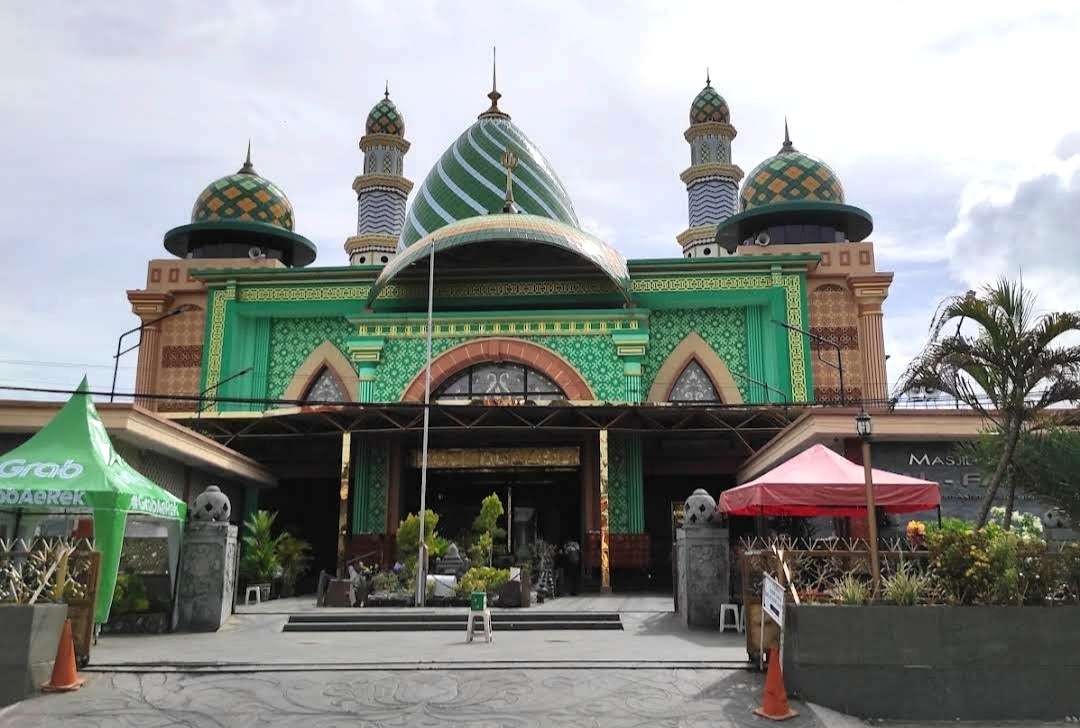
693 348
521 351
325 357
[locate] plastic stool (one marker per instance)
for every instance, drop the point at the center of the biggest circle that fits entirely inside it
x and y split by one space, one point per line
253 590
736 617
486 615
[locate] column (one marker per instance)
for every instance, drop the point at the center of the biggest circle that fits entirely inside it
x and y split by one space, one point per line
343 501
366 353
870 292
149 358
630 347
251 501
605 565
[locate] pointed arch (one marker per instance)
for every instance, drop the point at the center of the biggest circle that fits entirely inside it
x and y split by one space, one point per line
325 356
694 348
498 349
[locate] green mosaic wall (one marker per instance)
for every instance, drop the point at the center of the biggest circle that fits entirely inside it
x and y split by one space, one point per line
370 487
724 329
618 494
291 342
593 356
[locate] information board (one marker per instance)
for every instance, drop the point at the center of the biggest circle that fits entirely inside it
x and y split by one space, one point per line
772 599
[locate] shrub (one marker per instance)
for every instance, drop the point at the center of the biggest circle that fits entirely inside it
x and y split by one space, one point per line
294 555
906 587
482 578
130 595
1024 525
408 536
486 530
385 581
850 590
260 561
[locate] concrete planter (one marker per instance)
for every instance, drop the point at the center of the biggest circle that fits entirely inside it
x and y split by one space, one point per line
936 662
28 642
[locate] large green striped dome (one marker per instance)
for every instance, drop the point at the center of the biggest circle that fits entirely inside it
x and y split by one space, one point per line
469 180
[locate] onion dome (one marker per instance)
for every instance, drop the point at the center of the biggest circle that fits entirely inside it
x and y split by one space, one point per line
241 215
385 118
469 179
708 106
792 198
790 175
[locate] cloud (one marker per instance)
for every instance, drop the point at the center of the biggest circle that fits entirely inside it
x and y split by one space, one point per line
1029 227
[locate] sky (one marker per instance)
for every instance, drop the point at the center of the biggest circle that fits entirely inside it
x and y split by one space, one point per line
957 125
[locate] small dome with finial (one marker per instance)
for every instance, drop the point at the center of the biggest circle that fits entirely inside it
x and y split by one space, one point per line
791 176
385 117
709 105
244 197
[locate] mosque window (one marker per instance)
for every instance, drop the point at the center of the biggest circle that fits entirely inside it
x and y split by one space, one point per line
500 379
694 385
326 387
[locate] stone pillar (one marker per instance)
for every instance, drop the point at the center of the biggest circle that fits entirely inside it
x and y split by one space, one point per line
207 576
870 292
605 561
343 501
702 558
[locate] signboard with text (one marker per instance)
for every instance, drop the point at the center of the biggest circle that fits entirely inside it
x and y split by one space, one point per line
772 600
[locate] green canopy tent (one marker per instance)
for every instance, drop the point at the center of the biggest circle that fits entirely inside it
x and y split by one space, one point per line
71 467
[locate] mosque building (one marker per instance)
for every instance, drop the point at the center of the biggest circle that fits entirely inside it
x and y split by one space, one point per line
591 392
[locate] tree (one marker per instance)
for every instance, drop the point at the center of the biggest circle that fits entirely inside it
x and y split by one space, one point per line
1046 461
486 529
1010 371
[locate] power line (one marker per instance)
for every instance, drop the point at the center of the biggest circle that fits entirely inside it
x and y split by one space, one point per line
62 364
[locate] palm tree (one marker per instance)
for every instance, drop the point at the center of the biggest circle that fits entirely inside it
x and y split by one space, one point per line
1009 371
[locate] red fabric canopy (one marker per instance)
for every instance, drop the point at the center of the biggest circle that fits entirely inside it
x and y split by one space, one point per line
818 482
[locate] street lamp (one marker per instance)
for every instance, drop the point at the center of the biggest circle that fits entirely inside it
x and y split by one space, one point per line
116 357
864 428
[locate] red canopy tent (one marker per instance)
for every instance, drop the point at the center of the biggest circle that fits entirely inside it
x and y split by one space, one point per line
818 482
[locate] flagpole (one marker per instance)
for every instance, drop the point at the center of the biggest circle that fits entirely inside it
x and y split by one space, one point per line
421 561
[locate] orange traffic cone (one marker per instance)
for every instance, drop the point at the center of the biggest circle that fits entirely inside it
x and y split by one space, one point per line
64 675
774 704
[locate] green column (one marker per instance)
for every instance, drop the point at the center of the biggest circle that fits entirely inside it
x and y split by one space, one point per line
635 485
251 501
755 355
370 481
360 487
366 353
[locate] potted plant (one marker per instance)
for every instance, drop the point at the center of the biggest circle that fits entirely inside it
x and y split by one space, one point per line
294 556
260 561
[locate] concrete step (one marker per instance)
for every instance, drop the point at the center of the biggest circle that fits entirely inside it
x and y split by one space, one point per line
458 616
444 626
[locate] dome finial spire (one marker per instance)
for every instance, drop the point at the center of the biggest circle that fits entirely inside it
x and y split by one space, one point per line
386 93
494 112
247 168
708 81
788 146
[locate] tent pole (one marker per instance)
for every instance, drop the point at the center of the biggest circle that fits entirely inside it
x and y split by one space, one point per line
871 520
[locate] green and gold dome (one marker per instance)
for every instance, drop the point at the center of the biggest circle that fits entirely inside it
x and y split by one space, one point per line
793 198
244 196
709 106
789 176
385 118
241 215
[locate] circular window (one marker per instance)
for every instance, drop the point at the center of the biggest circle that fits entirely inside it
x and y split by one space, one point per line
385 259
707 251
362 260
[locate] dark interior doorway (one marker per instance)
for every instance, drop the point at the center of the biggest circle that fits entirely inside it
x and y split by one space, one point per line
546 503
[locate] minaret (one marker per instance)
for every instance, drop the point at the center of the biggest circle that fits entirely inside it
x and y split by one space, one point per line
381 190
712 181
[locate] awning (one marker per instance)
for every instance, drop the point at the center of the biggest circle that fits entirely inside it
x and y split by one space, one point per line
70 466
819 482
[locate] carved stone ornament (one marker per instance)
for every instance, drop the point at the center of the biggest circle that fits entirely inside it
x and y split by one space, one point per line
211 505
698 509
